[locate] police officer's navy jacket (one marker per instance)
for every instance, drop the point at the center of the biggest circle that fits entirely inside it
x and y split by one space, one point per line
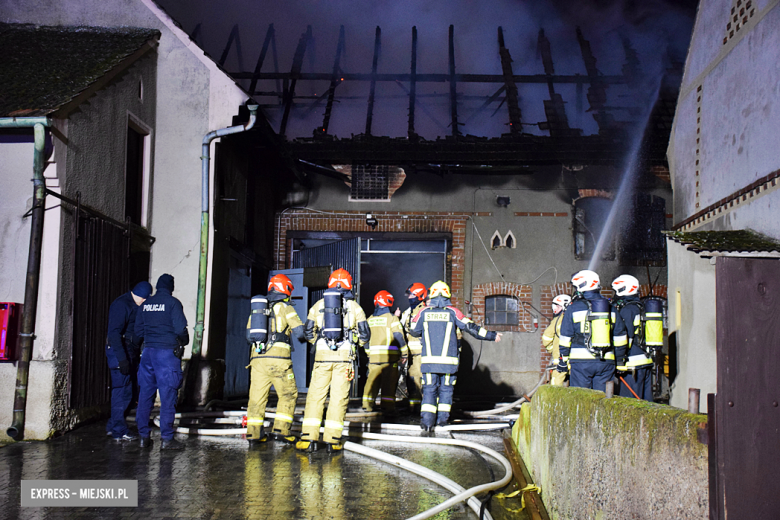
573 329
121 328
436 324
282 324
160 321
628 323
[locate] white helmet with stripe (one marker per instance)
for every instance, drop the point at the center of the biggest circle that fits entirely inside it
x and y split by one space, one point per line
562 301
625 285
586 280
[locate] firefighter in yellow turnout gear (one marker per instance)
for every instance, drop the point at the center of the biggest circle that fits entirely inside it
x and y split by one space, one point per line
385 348
551 336
416 293
270 361
335 326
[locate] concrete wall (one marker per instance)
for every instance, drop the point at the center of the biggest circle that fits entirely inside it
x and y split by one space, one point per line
692 322
544 254
598 458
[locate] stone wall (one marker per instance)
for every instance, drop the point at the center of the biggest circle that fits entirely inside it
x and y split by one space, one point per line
598 458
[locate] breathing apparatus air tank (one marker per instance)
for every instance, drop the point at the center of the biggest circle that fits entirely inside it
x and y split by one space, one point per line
332 329
654 323
600 337
258 322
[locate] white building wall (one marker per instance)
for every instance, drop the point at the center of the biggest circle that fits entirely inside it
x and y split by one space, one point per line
193 98
692 324
734 122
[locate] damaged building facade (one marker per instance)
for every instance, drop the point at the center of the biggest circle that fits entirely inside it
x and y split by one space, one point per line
505 217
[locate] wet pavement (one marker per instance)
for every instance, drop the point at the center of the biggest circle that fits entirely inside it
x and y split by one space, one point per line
222 477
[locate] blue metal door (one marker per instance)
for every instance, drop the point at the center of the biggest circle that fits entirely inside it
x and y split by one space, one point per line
300 302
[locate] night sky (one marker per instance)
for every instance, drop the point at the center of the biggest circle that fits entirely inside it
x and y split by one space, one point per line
659 31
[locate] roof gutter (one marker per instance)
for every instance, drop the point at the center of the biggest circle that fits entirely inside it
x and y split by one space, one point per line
27 334
204 227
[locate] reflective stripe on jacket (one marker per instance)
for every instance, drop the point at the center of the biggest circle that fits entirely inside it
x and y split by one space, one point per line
387 339
437 325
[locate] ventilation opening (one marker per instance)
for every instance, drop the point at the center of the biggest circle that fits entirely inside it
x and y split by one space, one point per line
369 182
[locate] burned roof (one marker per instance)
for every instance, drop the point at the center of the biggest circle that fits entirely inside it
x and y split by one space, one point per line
740 242
44 68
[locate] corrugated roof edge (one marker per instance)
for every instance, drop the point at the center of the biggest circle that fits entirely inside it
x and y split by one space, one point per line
739 242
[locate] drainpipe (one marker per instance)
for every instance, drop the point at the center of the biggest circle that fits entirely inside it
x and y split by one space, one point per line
27 334
204 225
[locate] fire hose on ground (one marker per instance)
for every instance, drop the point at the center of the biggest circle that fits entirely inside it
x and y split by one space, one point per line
460 494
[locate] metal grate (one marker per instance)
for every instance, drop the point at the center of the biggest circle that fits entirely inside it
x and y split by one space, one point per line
101 274
369 182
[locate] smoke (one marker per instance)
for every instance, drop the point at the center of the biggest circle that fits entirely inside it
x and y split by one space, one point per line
658 30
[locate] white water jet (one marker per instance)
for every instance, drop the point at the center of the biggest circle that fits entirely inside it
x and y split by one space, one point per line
627 183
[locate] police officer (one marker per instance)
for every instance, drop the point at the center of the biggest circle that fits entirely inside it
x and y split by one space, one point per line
634 365
122 352
385 349
552 334
586 335
271 364
334 341
417 293
440 356
163 327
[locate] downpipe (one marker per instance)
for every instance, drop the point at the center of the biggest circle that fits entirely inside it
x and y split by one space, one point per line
27 334
197 342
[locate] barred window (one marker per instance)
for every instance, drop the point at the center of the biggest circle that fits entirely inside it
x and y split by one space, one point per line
501 310
369 182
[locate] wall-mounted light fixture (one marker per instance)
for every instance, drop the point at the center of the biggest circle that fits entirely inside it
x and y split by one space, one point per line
371 221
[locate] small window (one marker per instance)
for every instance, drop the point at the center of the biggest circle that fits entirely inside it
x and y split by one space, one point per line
495 241
501 310
369 182
590 219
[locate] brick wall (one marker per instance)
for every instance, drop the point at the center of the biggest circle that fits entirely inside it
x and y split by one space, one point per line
523 293
387 221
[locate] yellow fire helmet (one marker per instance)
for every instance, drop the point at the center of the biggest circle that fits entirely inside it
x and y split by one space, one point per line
440 289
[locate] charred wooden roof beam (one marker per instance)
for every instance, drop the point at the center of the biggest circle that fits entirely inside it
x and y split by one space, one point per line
512 98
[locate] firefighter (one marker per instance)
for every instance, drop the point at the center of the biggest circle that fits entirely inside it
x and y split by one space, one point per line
634 364
586 335
335 326
270 360
123 350
551 335
386 348
161 324
440 356
417 293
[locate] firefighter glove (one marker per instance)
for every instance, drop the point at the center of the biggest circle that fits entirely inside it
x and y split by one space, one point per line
562 367
124 367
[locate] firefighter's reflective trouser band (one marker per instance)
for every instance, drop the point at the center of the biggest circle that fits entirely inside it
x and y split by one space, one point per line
384 376
266 372
415 374
437 398
326 376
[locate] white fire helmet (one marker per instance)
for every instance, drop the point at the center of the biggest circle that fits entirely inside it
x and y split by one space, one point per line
586 281
625 285
562 301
